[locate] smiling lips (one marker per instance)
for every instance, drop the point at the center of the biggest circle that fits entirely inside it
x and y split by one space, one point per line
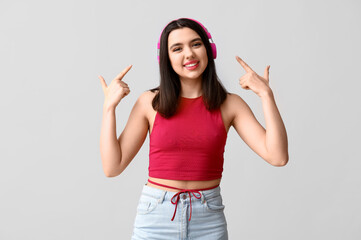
192 65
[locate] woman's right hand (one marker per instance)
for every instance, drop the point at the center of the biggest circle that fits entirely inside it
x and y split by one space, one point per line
116 90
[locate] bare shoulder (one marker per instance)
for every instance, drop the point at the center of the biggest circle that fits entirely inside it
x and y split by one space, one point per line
145 100
234 98
236 102
232 105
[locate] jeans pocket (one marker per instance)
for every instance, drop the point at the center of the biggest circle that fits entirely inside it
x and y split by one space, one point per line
214 204
146 204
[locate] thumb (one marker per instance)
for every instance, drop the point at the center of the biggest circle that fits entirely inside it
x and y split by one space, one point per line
266 73
103 83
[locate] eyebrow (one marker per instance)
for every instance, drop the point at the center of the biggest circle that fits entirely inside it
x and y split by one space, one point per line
177 44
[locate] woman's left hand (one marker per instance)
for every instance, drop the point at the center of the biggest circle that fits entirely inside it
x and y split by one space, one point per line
251 80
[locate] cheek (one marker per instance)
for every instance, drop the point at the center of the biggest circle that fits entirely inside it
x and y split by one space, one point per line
172 60
175 61
205 59
205 54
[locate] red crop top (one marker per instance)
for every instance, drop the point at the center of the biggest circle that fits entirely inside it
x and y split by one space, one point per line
189 145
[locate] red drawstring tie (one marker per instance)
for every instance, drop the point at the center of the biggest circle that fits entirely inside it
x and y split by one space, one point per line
189 191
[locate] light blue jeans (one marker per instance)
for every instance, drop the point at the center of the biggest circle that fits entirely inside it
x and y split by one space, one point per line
155 211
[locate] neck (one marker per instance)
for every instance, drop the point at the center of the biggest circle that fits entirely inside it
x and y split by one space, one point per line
191 88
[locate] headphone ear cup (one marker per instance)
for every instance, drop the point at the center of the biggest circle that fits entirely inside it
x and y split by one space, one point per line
214 50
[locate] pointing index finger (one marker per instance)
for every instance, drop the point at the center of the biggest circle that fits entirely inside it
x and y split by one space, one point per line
244 65
122 73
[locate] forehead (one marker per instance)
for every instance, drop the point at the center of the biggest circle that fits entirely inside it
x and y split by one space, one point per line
181 35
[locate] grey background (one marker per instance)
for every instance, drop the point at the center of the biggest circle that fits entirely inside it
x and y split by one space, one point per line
51 179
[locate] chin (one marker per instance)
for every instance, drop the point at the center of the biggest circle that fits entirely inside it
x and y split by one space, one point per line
192 75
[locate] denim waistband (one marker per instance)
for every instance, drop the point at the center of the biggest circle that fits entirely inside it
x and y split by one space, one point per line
183 195
163 195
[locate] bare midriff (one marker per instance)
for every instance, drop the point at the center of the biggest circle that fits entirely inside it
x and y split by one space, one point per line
183 184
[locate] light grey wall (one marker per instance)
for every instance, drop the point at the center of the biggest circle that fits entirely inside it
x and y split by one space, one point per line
51 179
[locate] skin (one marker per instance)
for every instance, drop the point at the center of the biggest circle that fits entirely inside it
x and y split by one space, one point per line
271 145
179 55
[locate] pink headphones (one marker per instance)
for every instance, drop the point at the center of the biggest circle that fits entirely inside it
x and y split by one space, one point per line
213 45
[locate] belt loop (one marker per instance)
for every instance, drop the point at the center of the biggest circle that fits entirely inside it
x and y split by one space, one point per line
162 197
202 197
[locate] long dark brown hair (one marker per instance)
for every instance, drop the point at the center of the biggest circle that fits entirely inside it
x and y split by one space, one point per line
167 99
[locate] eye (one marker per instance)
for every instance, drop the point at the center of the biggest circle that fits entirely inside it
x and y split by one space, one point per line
197 44
176 49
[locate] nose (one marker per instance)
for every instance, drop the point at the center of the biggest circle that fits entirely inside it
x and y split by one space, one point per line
188 52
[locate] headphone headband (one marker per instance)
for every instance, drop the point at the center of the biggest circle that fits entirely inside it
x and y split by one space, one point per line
213 45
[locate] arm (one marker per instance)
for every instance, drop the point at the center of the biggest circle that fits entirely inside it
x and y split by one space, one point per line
271 145
276 136
116 154
109 148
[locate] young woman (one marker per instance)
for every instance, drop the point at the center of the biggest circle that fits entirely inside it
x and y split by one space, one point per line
188 117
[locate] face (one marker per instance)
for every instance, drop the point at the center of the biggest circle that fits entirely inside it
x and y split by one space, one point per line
187 53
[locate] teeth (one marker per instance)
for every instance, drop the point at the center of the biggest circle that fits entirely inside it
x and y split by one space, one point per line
191 65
